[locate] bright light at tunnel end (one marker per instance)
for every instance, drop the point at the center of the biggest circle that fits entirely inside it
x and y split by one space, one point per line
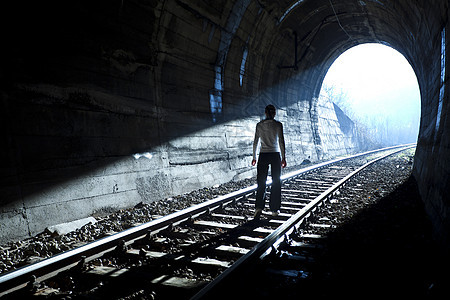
377 87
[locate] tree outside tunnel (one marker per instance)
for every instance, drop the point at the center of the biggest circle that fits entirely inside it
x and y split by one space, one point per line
377 88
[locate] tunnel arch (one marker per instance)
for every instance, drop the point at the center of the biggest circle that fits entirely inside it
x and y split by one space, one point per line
388 24
376 86
406 26
146 71
267 32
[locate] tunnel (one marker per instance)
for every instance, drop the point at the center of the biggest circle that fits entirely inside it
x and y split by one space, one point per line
106 104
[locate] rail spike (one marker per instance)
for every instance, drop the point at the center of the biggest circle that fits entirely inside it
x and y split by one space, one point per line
190 219
81 265
121 247
33 285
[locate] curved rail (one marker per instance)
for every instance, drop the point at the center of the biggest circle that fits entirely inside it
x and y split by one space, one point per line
269 243
47 268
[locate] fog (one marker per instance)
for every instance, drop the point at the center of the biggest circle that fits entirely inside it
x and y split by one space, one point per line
377 88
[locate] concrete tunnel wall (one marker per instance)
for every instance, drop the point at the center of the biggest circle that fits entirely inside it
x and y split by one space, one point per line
109 103
106 105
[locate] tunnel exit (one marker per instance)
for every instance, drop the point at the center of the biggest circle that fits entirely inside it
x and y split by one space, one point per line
377 88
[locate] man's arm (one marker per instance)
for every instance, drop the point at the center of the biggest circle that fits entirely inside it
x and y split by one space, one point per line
255 146
282 146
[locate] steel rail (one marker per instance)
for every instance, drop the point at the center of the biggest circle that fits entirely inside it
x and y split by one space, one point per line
269 244
17 279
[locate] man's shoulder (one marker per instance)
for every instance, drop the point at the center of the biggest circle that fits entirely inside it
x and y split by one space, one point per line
269 122
262 122
277 122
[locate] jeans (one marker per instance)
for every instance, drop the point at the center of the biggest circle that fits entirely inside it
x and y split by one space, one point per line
274 160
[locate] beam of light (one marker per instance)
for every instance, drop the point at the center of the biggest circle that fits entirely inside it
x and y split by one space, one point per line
146 155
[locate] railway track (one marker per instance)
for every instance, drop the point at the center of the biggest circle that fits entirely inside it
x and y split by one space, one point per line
192 252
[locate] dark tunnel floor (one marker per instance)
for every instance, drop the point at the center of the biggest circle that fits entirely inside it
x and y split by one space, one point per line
386 250
382 246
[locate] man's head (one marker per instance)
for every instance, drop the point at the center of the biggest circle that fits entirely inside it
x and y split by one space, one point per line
270 111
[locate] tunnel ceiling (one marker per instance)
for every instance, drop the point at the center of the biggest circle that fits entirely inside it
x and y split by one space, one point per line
327 28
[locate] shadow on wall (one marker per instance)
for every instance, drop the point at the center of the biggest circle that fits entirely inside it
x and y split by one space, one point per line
82 88
94 115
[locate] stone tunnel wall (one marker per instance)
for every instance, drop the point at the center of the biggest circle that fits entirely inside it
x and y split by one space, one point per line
109 104
432 160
